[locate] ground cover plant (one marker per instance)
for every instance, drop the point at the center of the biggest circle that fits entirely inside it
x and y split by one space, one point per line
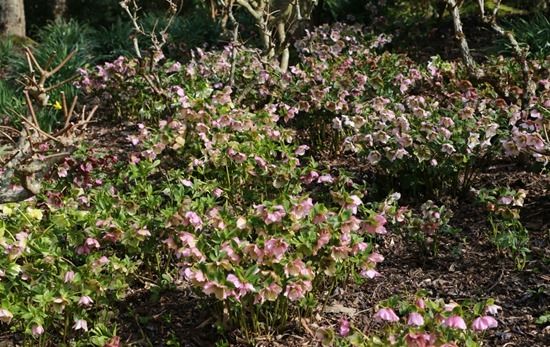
355 197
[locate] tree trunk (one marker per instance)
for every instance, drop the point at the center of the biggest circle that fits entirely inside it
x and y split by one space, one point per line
12 17
454 8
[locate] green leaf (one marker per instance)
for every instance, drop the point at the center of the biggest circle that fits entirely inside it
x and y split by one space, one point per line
61 221
545 318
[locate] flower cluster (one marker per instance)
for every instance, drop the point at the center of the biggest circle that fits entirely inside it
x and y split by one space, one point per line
425 322
529 130
274 250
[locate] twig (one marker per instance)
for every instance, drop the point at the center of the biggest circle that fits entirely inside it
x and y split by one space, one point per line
157 43
492 286
7 136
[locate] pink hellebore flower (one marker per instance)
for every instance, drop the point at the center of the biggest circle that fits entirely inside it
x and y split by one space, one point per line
415 318
359 247
37 330
241 289
345 238
325 179
275 248
270 293
170 243
376 225
450 306
455 322
301 150
175 67
298 268
302 209
448 149
339 253
319 218
230 252
324 238
217 192
196 277
420 303
374 157
419 340
343 329
85 300
254 252
261 162
187 239
352 224
352 204
88 245
274 216
219 291
297 290
100 262
5 315
376 257
69 276
386 314
80 324
484 323
370 273
143 232
193 219
310 177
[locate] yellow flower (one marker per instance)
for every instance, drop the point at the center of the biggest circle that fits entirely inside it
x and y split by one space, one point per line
57 105
6 210
34 213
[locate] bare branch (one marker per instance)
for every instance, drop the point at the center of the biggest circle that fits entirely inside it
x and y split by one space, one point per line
38 89
22 164
157 40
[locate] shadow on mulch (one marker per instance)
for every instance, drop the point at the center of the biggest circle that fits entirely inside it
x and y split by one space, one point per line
169 318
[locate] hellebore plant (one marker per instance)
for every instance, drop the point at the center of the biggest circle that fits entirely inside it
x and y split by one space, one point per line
507 233
64 277
424 227
423 323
